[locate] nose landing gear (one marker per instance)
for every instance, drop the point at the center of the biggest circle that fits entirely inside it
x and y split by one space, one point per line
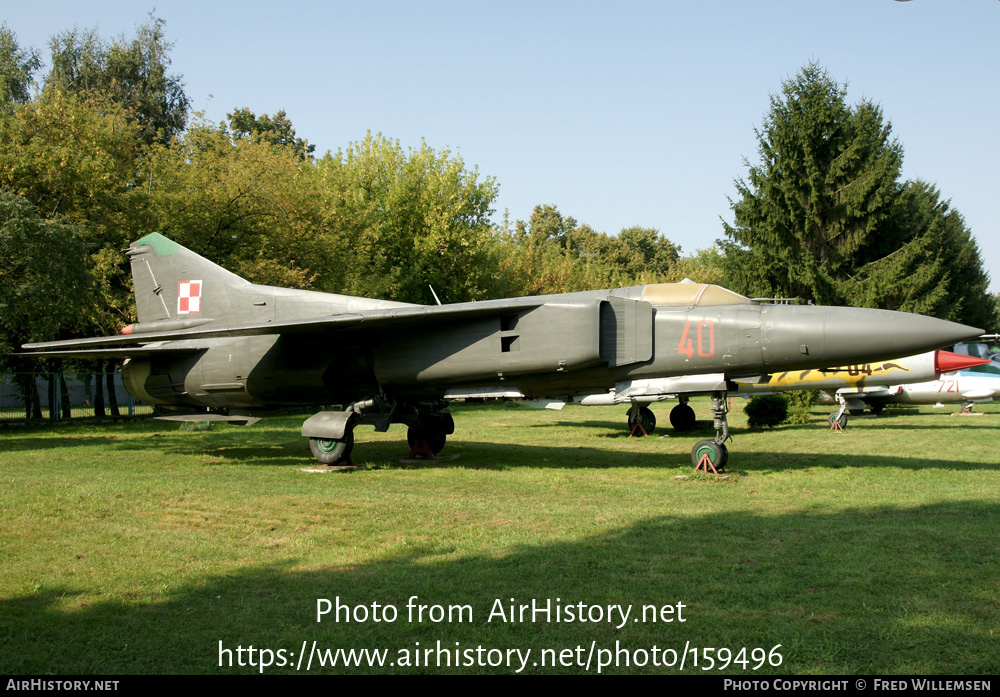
712 454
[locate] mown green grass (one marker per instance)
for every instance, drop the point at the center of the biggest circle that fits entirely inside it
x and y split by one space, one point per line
136 548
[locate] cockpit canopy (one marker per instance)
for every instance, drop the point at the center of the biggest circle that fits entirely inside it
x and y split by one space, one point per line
690 295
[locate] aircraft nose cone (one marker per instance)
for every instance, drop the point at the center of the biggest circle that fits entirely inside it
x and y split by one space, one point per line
832 336
947 362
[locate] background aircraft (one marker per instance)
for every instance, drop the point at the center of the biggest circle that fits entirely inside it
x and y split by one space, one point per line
209 341
852 382
968 385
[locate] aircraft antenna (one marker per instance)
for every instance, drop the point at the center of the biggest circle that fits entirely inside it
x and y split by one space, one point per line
436 298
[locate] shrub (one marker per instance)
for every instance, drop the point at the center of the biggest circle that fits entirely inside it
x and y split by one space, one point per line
799 404
767 411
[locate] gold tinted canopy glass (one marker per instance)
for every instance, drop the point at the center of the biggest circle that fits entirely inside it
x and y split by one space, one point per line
691 294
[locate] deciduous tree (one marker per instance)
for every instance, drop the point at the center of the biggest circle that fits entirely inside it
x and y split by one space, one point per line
398 220
276 130
46 287
243 203
17 69
133 73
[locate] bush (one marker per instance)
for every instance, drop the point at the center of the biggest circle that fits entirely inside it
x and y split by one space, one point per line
799 404
767 411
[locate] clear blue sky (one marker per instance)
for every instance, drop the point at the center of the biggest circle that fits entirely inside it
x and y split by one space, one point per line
624 113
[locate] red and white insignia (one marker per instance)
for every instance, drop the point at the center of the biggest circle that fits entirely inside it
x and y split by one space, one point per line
188 297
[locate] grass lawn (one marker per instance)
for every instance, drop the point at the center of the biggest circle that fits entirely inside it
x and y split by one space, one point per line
139 547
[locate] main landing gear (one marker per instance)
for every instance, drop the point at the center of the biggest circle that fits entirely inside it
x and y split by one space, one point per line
433 428
641 420
712 454
331 433
682 416
330 451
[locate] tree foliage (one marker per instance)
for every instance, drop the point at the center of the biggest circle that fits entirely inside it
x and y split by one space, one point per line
76 160
43 264
397 220
242 202
824 216
133 73
552 253
816 207
17 69
799 404
766 410
276 130
938 271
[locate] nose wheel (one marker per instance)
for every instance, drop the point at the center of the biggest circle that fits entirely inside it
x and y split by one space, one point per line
838 419
712 454
709 456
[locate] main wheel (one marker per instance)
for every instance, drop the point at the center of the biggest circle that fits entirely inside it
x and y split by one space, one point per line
435 438
329 451
643 416
842 420
718 455
682 418
877 407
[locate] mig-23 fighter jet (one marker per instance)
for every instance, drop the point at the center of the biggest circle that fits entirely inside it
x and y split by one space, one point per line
209 341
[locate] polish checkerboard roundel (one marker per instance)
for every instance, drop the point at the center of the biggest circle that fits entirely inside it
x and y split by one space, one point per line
188 297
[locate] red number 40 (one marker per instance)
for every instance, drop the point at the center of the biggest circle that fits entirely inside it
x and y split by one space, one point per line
686 345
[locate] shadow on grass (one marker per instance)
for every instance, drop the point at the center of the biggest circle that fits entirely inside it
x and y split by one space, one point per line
285 448
282 445
880 590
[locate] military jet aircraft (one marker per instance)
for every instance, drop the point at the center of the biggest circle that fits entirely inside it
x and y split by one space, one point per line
851 384
213 342
964 383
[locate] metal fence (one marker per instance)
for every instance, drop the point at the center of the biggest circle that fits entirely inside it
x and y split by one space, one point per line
66 395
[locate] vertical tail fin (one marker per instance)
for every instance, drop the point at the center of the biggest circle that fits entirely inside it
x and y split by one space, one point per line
174 287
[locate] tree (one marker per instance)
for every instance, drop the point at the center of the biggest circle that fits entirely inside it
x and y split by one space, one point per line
816 207
76 160
396 221
249 205
45 284
546 224
131 73
654 256
552 253
825 217
704 266
938 271
17 69
276 130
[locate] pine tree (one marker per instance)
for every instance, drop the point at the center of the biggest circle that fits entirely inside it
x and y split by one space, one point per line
825 217
819 203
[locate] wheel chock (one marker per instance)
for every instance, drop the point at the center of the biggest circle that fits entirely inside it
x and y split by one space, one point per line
638 425
706 463
422 447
